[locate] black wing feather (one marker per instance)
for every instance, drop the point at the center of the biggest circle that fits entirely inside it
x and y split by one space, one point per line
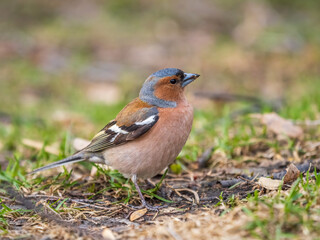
108 137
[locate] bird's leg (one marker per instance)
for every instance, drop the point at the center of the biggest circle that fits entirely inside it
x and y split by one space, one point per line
143 201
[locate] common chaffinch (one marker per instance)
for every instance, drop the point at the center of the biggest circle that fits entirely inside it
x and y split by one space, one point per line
147 134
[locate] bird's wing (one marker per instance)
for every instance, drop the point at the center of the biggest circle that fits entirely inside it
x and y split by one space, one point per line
133 121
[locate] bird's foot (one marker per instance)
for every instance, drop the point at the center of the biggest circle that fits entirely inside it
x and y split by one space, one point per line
143 201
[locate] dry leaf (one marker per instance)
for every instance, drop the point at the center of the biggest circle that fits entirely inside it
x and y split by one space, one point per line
108 234
39 145
269 183
281 126
292 174
138 214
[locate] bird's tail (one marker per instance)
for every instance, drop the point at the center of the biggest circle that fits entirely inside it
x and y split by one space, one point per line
72 159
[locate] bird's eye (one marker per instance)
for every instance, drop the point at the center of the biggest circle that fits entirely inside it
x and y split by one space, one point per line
173 81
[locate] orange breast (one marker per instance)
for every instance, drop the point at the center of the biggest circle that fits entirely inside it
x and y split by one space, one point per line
151 153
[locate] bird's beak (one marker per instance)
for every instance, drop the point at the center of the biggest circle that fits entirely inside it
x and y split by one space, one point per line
189 78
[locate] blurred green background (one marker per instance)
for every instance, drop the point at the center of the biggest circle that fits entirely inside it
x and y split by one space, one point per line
70 66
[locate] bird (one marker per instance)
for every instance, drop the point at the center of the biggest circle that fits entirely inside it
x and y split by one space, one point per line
147 134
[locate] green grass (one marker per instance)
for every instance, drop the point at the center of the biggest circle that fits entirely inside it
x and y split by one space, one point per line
5 213
288 214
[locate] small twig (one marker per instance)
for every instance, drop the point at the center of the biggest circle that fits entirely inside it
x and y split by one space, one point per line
155 215
114 220
255 177
181 195
51 210
196 196
57 198
78 201
6 198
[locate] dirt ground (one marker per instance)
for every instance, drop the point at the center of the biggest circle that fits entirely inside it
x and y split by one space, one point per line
200 202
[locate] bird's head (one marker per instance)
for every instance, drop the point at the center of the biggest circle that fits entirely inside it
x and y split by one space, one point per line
164 88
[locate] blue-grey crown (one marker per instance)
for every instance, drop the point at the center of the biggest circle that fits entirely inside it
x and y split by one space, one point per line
147 91
166 72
